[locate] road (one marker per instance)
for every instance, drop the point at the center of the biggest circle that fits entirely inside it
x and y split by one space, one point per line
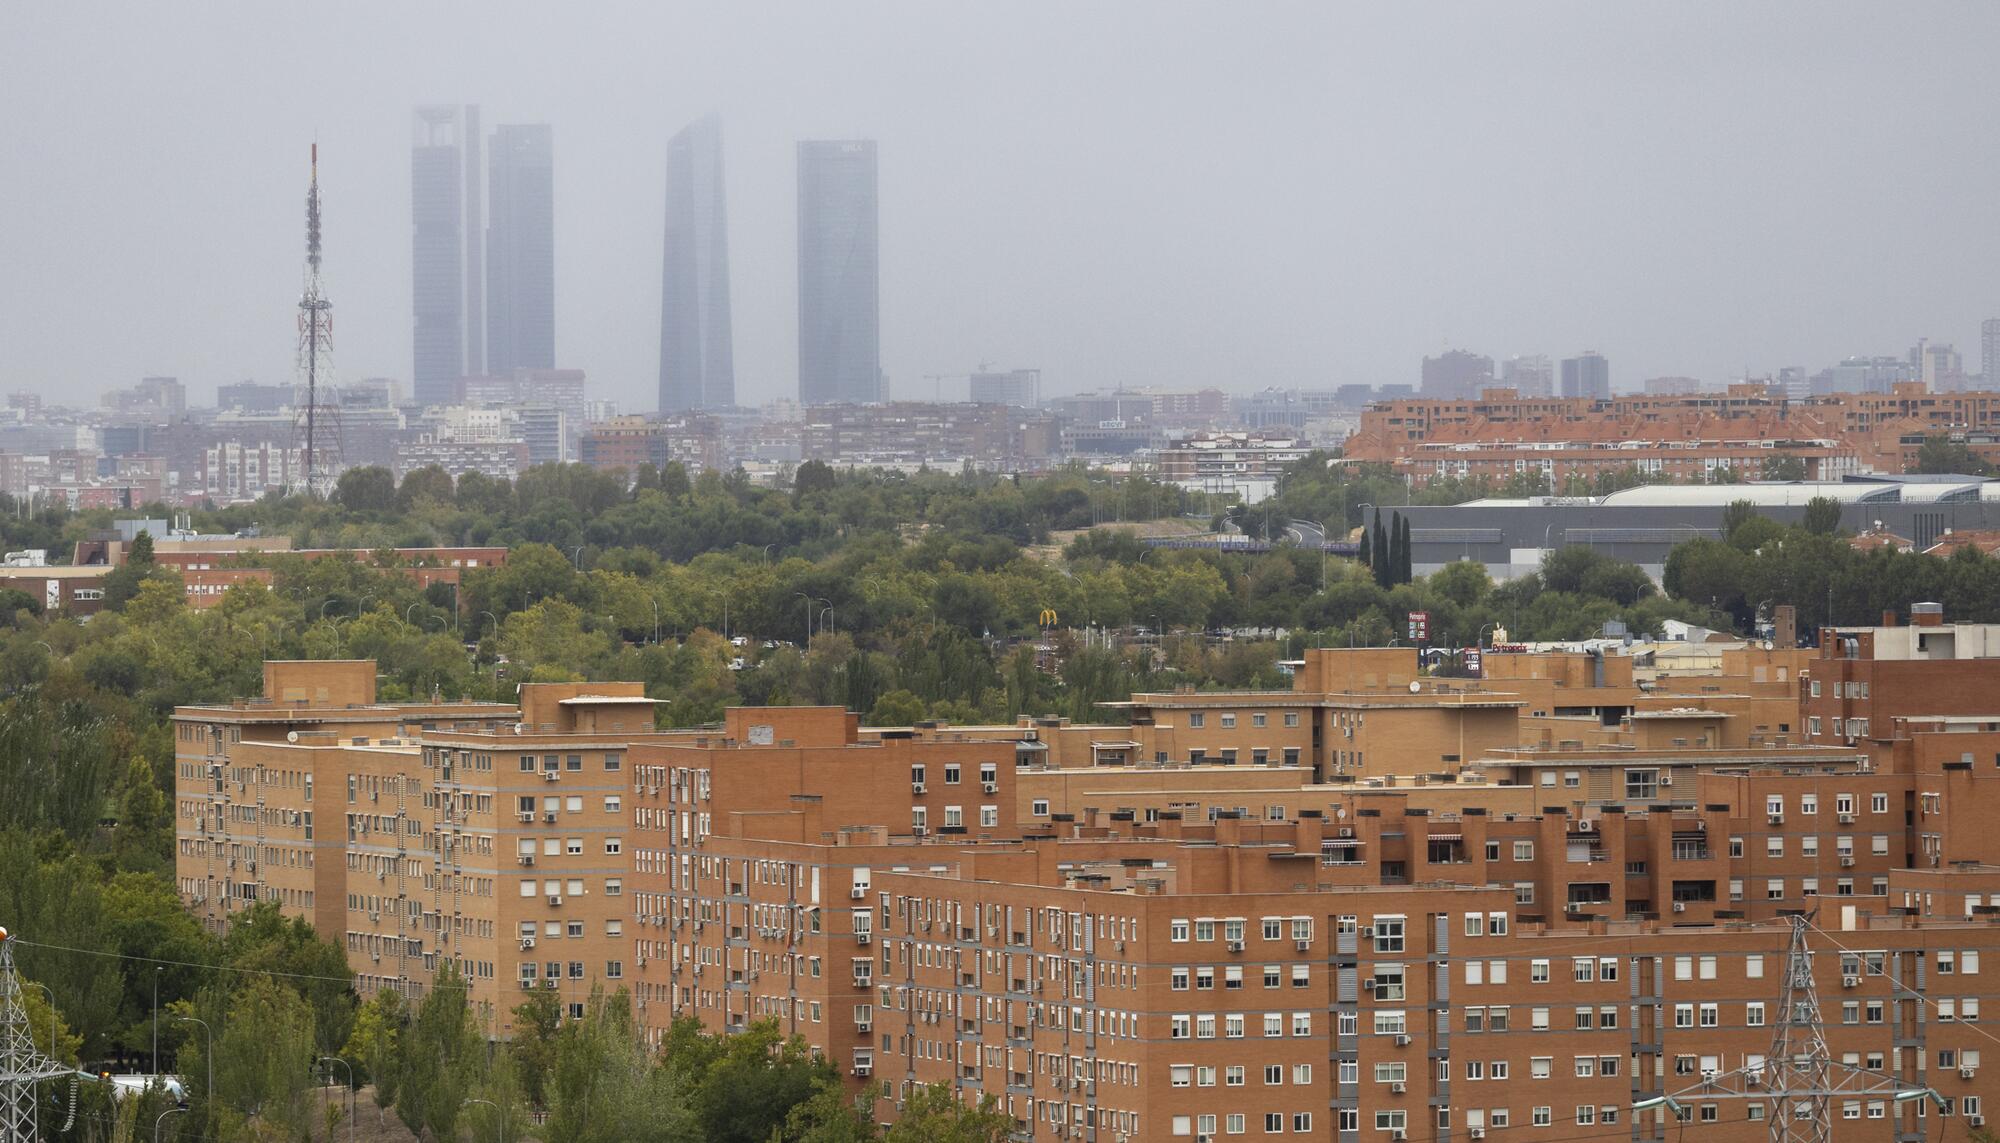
1306 533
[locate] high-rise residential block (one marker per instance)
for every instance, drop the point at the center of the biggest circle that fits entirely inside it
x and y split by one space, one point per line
1586 375
1456 373
1021 388
839 281
697 352
521 249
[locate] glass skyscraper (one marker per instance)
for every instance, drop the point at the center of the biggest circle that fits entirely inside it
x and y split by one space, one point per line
520 249
839 286
697 356
438 175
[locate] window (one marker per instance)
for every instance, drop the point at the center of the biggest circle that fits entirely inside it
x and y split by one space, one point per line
614 845
1259 719
1039 807
1196 720
1524 851
1753 1014
1181 1075
1642 785
1291 718
1388 934
1233 1075
1878 803
1541 1067
1384 1120
1229 722
613 803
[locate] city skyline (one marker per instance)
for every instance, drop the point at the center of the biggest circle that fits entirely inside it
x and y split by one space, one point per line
1076 229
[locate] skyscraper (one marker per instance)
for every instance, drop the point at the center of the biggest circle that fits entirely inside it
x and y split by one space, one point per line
839 285
697 357
1989 353
521 249
439 195
1456 374
1587 375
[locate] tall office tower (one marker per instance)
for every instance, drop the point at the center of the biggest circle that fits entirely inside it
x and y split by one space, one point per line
1587 375
839 285
1456 374
697 357
520 249
475 247
1989 354
439 172
1529 376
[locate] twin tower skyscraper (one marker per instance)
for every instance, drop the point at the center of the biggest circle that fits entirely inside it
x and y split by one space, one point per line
483 264
839 281
483 271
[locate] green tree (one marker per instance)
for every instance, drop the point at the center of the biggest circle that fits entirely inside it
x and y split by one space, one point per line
373 1045
264 1057
438 1057
429 485
1787 466
1822 516
1941 455
897 708
750 1089
369 488
932 1114
1736 515
537 1024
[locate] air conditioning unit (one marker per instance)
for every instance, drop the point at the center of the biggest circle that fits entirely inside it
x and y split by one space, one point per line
1967 1073
1666 780
1304 945
864 1026
1235 946
1680 906
527 942
1753 1079
1398 1088
1847 861
1976 1120
863 1070
1345 831
526 984
527 859
1402 1041
916 787
1777 818
859 892
549 816
551 776
862 938
990 787
1850 981
1476 1132
1708 1075
526 815
861 982
1587 825
1846 819
555 899
1398 1135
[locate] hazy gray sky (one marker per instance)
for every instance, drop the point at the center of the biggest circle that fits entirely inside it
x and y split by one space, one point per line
1240 195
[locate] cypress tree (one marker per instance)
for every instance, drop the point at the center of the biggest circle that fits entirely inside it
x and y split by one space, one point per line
1366 555
1402 549
1380 562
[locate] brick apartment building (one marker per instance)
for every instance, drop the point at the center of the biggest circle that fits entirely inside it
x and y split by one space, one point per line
1412 911
1684 436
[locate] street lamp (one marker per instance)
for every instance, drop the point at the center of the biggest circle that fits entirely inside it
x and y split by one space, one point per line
163 1119
350 1089
50 993
576 556
497 1110
324 606
157 970
407 610
207 1054
828 613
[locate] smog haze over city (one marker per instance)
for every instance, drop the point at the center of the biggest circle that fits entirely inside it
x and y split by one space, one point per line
1117 194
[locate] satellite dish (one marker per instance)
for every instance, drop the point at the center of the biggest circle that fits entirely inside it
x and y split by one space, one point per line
1416 687
291 736
1769 646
